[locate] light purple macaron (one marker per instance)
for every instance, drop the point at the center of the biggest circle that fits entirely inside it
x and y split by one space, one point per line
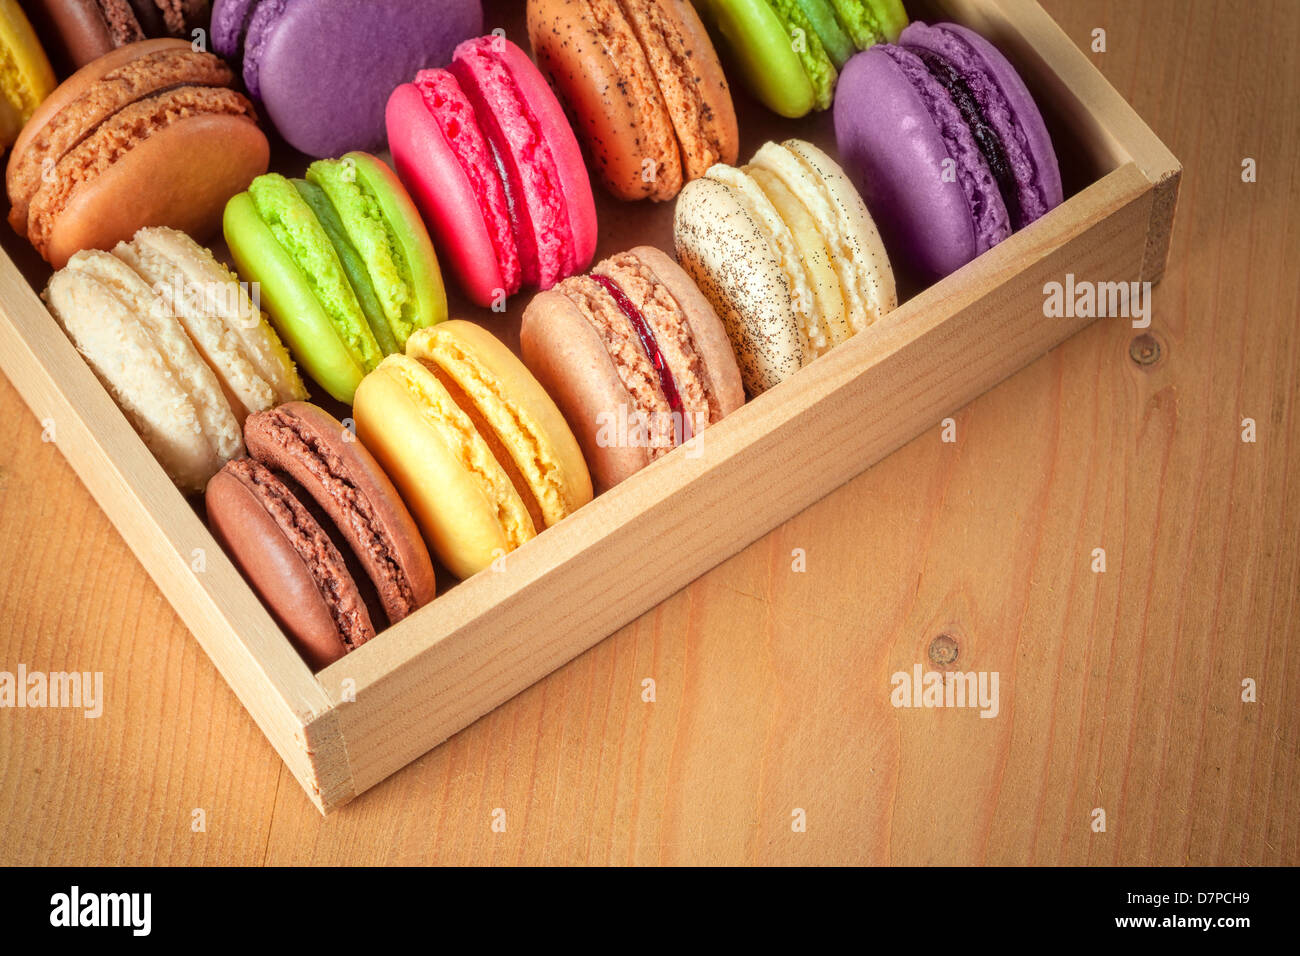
322 70
944 140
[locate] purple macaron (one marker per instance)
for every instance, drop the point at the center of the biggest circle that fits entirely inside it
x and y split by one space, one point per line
946 144
322 70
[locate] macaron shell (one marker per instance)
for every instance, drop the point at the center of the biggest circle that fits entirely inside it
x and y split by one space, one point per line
762 52
269 559
229 21
174 178
709 334
170 396
728 257
570 167
76 32
324 70
428 295
330 464
232 335
568 357
857 251
691 80
82 102
591 54
462 500
896 156
517 407
444 194
297 314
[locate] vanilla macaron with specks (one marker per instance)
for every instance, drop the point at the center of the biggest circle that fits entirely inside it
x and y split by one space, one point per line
788 255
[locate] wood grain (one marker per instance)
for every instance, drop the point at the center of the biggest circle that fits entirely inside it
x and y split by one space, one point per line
1119 690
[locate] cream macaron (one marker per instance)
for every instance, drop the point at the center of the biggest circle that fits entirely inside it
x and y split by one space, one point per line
178 344
788 255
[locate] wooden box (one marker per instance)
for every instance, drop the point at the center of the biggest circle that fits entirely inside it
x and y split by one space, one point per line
343 730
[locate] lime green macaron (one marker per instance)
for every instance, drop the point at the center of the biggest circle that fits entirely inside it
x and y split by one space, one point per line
343 264
789 52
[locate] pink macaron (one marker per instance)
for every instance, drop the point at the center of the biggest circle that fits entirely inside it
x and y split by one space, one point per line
487 153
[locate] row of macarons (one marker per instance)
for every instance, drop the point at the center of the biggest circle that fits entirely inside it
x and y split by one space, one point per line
625 52
937 130
453 447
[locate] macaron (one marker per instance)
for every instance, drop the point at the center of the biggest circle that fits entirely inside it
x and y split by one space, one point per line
487 153
150 134
947 145
344 263
226 326
478 450
788 255
789 52
124 324
636 359
641 78
307 503
79 31
323 70
25 74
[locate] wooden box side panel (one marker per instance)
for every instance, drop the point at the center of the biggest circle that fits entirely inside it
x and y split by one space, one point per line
167 537
498 633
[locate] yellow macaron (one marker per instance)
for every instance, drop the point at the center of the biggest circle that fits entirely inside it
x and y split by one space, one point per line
25 74
479 452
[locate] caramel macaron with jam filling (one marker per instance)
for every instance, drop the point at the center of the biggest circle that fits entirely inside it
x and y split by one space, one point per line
635 357
151 134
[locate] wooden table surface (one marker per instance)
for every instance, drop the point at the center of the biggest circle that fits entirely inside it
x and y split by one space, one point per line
1120 691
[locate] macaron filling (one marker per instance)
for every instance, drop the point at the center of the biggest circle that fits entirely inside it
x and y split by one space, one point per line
645 335
454 114
322 558
543 233
350 259
990 220
986 137
980 89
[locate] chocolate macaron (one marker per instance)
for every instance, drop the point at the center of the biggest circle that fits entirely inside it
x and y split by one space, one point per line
79 31
149 135
636 359
291 557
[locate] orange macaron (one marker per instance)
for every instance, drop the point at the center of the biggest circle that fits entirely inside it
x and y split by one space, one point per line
645 88
151 134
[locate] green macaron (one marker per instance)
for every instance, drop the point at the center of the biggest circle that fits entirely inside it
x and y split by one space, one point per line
343 263
789 52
